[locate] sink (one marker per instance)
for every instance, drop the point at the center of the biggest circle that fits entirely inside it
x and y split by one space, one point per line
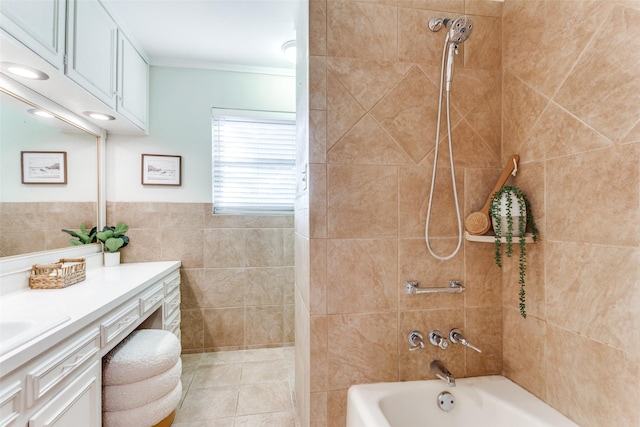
15 332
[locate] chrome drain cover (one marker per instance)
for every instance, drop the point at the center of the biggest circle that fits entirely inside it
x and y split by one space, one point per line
445 401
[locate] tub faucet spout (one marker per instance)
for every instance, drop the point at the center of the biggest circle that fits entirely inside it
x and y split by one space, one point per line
437 367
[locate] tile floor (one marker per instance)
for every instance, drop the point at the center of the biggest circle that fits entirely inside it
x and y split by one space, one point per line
248 388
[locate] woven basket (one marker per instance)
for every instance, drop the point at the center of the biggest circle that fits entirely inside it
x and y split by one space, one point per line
65 272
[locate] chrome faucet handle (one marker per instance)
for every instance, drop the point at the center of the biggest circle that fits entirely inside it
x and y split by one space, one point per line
436 338
416 341
456 337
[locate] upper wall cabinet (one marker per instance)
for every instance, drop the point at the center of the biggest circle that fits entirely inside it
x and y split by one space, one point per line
39 25
133 82
92 49
98 57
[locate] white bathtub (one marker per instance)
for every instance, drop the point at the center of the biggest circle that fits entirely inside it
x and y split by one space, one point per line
481 401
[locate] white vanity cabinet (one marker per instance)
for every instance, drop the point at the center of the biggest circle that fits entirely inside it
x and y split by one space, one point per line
92 49
39 25
56 380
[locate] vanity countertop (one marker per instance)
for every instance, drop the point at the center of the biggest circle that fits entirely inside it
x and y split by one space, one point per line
104 289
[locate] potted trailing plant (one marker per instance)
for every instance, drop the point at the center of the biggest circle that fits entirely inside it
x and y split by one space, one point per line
511 215
113 239
82 237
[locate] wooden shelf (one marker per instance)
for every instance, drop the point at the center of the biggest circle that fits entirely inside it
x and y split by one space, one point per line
490 238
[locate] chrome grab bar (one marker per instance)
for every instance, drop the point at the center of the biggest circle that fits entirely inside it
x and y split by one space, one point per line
454 287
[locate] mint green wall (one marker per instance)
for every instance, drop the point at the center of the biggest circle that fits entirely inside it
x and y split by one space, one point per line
180 102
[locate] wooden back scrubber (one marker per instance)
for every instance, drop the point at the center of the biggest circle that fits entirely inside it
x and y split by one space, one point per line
479 222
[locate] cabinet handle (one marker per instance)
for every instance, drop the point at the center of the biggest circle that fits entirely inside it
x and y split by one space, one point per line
127 320
79 359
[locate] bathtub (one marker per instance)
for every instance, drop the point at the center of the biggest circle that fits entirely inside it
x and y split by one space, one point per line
480 401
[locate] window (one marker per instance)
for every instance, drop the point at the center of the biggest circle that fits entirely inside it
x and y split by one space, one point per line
254 159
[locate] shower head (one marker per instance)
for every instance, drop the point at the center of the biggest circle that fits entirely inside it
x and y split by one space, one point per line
459 29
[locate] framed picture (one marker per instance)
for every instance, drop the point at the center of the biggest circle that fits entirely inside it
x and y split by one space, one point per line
160 169
44 167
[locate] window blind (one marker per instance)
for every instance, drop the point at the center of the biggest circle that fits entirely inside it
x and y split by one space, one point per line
254 158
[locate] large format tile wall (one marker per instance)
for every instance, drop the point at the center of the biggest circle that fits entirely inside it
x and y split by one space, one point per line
571 108
237 271
35 226
373 78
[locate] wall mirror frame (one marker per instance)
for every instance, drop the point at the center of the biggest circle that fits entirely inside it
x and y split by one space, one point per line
21 263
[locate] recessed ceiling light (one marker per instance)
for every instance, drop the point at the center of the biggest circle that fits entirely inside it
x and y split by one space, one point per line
289 49
40 113
98 116
23 71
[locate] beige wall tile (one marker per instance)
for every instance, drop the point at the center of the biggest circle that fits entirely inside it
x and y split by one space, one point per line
598 295
317 27
224 327
318 201
367 80
483 7
318 276
483 329
406 113
337 407
319 416
264 325
362 201
361 275
485 118
582 191
523 354
483 278
367 143
362 30
522 106
362 348
317 83
592 383
483 49
319 364
611 78
343 111
317 136
192 329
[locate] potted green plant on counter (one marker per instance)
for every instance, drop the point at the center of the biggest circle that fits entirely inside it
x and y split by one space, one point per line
113 239
511 215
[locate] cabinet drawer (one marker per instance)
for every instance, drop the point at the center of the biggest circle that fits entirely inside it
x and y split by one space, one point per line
151 298
171 304
171 283
10 404
112 328
173 324
66 361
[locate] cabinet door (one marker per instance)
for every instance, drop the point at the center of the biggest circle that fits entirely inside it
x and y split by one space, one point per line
38 24
91 43
133 83
78 404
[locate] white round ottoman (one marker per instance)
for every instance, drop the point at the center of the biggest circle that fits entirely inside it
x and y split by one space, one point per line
141 380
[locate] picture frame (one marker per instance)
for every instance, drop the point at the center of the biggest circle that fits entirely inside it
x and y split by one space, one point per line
43 167
161 169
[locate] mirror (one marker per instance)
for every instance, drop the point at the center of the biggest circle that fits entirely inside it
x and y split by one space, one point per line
32 214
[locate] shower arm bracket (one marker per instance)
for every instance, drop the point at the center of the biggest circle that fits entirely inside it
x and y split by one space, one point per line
413 288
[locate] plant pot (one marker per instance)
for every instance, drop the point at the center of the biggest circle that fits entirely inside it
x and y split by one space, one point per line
515 214
111 259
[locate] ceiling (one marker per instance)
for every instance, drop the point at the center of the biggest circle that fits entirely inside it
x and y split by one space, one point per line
239 35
